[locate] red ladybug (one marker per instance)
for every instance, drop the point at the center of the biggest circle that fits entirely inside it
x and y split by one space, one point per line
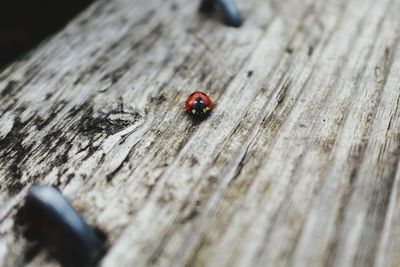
198 104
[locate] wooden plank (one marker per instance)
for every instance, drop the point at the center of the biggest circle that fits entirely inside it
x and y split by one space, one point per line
296 166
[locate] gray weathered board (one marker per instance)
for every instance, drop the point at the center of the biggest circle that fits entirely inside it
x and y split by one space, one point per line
296 166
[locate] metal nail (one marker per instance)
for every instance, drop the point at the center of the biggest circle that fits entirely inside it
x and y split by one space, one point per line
207 6
231 14
229 10
46 207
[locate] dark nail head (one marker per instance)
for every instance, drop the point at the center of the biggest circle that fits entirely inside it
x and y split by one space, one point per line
52 221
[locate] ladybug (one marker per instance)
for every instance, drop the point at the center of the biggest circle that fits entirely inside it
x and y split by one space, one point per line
198 104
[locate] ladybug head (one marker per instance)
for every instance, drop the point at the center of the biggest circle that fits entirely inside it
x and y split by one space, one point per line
199 107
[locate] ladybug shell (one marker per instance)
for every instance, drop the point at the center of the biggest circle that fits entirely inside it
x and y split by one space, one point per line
198 104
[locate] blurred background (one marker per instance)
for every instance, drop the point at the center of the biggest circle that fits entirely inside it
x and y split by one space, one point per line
25 23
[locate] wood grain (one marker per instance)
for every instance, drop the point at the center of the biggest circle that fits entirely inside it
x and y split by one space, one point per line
296 166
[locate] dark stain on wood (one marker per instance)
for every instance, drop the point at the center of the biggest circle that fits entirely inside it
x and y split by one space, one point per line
8 88
282 92
109 122
158 100
310 51
289 50
12 154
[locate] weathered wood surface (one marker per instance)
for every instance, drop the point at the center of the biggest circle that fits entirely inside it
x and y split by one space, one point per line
297 166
